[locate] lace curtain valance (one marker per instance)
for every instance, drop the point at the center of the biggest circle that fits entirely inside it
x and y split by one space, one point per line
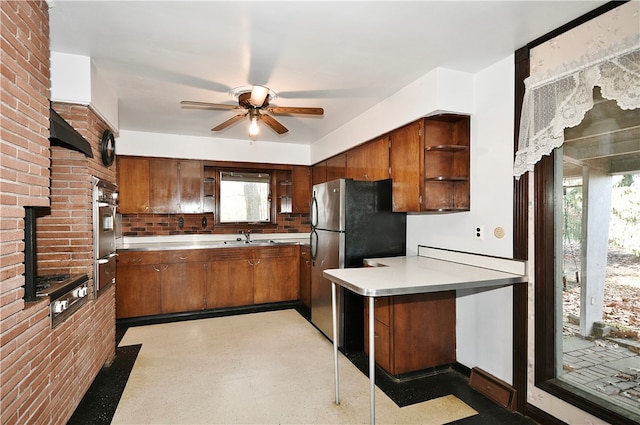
560 100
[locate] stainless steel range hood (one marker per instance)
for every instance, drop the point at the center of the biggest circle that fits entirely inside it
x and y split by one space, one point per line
62 134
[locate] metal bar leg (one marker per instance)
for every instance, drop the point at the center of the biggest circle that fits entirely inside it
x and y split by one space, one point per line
372 360
334 310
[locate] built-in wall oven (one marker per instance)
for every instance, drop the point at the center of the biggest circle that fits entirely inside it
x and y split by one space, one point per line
105 197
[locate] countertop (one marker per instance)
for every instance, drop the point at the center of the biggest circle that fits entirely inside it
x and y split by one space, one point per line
177 242
420 274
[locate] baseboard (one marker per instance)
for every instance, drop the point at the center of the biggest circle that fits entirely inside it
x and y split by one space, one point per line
540 416
493 388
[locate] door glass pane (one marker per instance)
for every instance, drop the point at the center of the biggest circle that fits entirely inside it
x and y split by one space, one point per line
598 257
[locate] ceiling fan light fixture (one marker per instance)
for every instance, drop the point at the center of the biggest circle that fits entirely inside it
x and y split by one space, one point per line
258 95
253 126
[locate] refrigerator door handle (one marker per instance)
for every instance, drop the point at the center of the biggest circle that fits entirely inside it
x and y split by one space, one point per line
313 237
314 211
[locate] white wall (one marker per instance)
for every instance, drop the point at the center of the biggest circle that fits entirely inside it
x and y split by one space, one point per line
75 79
441 90
138 143
484 320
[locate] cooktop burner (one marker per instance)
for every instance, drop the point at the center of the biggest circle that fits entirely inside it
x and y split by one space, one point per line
45 282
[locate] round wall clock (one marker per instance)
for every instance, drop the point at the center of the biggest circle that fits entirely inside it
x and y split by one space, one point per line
108 148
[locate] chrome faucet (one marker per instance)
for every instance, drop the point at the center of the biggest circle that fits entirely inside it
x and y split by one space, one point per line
247 236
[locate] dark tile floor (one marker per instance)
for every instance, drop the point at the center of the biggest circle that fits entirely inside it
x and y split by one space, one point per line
101 400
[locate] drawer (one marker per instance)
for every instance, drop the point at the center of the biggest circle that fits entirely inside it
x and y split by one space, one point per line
184 256
223 254
276 251
382 335
383 310
133 258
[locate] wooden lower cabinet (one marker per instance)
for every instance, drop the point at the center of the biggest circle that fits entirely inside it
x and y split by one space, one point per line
158 282
229 278
276 274
137 291
413 332
305 275
138 284
182 287
161 282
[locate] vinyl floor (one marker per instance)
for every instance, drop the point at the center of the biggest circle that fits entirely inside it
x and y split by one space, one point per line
448 386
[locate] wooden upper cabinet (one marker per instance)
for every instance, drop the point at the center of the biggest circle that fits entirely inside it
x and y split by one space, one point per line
319 173
160 185
430 165
446 163
191 178
369 161
133 184
164 195
337 167
406 160
301 191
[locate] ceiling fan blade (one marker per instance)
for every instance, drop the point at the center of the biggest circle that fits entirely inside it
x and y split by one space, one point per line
274 124
283 110
228 122
207 105
258 95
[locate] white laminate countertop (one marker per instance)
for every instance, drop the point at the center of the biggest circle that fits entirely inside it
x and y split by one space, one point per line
418 274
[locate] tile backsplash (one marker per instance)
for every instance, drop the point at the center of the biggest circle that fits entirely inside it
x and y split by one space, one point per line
201 224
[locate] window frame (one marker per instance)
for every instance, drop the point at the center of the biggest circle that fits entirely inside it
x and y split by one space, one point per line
544 263
241 225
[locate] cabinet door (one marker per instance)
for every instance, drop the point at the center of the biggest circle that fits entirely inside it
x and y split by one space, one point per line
229 283
191 178
301 193
319 173
230 278
423 331
382 332
276 275
369 161
305 275
164 194
407 159
137 291
182 287
337 167
133 185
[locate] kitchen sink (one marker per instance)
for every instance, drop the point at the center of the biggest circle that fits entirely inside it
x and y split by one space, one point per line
240 242
262 242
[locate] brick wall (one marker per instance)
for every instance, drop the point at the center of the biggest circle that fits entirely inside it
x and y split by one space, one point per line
167 224
43 372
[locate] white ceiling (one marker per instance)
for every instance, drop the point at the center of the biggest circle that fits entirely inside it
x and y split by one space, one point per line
342 56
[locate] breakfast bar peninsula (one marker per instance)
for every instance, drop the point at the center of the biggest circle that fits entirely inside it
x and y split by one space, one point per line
432 270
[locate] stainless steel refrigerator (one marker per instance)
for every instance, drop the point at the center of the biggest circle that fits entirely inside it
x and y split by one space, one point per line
350 220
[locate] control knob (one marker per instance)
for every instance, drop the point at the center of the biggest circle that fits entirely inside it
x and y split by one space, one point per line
60 306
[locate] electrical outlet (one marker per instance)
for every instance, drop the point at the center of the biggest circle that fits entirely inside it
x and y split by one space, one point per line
478 232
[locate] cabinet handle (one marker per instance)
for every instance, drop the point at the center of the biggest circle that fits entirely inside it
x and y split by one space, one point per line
155 268
136 260
183 258
307 262
257 262
250 263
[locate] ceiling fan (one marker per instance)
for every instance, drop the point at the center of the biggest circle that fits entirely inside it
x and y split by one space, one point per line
255 101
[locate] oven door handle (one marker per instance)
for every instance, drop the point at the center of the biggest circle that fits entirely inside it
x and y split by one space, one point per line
106 260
